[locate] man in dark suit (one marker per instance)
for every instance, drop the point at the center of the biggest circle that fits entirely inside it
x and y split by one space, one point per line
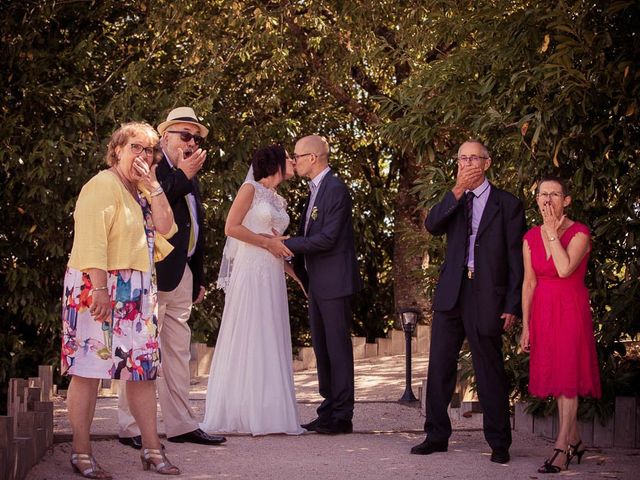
478 296
180 279
325 261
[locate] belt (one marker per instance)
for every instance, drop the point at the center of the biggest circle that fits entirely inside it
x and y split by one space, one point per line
470 274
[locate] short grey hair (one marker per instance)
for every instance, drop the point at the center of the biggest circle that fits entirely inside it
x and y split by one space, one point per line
485 150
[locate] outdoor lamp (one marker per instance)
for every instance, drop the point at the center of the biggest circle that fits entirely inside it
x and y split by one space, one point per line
408 319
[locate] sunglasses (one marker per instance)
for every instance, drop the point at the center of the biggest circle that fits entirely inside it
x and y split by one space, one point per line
187 136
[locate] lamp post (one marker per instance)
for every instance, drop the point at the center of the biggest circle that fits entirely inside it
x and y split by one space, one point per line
408 320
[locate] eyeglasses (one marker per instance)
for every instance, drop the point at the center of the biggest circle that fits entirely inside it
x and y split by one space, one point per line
138 149
470 158
187 136
549 195
296 157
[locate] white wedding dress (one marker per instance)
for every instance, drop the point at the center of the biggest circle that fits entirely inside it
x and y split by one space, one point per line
251 386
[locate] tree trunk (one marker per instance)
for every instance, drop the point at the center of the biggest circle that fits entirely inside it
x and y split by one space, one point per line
407 257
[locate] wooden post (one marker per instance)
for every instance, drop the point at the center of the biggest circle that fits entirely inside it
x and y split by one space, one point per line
7 458
45 372
23 453
543 426
15 400
32 395
26 442
585 429
624 434
523 421
603 434
47 409
34 382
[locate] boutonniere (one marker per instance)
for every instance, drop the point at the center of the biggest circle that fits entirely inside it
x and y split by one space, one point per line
314 213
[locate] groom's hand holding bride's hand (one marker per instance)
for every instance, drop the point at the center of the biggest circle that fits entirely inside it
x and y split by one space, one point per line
275 246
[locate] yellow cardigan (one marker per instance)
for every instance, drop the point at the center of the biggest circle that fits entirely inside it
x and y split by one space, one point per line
109 228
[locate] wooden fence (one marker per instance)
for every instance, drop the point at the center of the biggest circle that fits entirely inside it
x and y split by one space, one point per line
26 432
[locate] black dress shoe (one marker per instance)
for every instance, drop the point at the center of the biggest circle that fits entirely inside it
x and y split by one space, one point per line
428 447
135 442
198 436
311 426
500 456
336 427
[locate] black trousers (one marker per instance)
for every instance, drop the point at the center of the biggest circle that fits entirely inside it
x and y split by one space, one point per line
330 322
448 331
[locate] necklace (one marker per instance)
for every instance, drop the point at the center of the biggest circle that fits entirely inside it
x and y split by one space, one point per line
127 184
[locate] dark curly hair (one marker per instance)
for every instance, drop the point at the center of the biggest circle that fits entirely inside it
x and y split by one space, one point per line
268 161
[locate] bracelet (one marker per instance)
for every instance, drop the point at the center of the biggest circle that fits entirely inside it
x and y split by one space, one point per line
157 191
97 289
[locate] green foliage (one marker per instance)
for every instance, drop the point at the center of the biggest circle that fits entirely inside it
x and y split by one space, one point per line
551 89
394 86
75 70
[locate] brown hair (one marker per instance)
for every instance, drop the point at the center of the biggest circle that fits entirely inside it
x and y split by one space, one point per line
564 186
121 136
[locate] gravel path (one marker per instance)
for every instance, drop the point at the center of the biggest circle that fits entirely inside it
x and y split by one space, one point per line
378 449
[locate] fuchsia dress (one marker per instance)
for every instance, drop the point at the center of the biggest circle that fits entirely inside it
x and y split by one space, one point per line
563 358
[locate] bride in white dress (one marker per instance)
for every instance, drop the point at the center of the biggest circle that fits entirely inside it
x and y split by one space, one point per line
251 386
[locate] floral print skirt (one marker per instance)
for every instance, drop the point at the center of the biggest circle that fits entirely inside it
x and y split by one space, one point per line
126 349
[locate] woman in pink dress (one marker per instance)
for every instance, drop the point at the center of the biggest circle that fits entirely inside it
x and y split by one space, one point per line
557 326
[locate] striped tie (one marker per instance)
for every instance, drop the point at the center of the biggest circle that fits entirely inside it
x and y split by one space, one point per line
312 200
468 209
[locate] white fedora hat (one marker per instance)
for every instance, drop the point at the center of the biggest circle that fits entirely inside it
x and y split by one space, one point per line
182 115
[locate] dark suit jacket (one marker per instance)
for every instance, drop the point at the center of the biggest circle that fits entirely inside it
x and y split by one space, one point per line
170 270
498 263
328 248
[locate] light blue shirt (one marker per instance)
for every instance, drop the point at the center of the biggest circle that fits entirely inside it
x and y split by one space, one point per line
481 194
314 185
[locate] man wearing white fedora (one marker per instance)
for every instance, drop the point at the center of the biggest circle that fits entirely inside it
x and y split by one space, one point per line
180 280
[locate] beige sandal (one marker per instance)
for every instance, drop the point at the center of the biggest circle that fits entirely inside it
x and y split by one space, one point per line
163 466
86 465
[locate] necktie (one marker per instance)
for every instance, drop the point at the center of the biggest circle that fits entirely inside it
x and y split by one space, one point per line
312 198
468 209
192 227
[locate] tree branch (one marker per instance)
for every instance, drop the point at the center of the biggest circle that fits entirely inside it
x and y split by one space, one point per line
335 90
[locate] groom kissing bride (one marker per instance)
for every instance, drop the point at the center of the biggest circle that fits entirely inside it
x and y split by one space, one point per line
251 386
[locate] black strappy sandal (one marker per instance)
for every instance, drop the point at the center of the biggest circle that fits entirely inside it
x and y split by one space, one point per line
574 452
549 467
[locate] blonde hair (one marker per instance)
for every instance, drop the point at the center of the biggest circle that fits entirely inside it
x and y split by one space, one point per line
121 136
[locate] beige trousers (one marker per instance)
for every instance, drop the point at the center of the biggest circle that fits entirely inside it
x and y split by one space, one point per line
174 309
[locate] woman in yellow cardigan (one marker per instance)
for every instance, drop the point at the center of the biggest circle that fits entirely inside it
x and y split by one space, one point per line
109 311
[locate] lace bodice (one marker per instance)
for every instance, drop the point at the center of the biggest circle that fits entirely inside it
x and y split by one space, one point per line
268 211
